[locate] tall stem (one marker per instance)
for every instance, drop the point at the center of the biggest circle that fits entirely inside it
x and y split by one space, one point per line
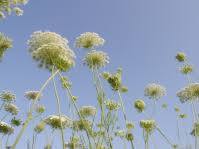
59 111
29 117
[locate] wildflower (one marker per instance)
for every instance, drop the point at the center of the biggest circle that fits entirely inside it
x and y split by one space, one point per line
106 75
182 116
80 125
112 105
124 89
186 69
33 95
40 109
120 133
6 128
16 122
51 50
96 59
130 125
55 121
74 143
8 6
11 108
129 136
65 82
89 40
40 127
139 105
87 111
195 131
181 57
189 93
7 96
5 43
164 105
154 91
18 11
148 125
115 80
177 109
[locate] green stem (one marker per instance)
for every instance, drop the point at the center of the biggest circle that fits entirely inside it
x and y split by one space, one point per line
29 117
164 136
59 111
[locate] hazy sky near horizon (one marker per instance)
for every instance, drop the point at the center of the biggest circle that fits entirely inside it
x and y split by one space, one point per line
141 36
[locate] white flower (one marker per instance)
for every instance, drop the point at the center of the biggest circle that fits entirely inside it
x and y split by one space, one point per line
5 43
11 108
33 95
51 50
96 59
55 121
188 93
87 111
154 91
89 40
5 128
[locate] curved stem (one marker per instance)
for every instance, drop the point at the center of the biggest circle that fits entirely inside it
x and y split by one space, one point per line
29 117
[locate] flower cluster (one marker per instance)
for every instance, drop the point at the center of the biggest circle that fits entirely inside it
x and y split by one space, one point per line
189 93
9 6
51 50
186 69
181 57
154 91
57 123
11 108
7 96
6 128
139 105
5 43
33 95
96 59
89 40
87 111
112 105
148 125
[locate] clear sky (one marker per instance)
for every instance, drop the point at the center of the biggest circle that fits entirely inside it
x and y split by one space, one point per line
142 37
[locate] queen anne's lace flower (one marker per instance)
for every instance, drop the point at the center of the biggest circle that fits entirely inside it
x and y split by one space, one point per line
181 57
6 128
11 108
32 95
186 69
96 59
148 125
5 43
55 121
40 127
188 93
87 111
112 105
139 105
8 6
51 50
89 40
154 91
7 96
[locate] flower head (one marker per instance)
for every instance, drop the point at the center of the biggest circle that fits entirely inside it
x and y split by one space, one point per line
7 96
33 95
51 50
130 125
96 59
40 109
181 57
5 43
186 69
154 91
40 127
11 108
80 125
87 111
148 125
5 128
56 122
189 93
112 105
139 105
8 6
89 40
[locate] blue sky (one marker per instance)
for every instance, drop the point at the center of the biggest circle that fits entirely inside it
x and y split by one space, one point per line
141 36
